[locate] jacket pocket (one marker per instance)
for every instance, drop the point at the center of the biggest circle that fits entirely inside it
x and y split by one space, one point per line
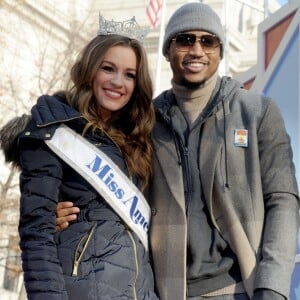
81 248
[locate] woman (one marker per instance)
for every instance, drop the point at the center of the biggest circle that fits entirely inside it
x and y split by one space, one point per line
109 104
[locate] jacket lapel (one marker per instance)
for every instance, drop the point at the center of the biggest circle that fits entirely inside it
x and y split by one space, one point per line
166 156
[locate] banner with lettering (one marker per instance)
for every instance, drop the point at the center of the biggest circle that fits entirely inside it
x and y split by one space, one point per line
106 177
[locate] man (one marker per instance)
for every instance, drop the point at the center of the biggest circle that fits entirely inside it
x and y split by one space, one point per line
224 196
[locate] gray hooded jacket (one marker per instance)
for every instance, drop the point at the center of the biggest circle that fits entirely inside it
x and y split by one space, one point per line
249 188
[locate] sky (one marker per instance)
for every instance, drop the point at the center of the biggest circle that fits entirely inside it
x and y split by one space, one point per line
281 2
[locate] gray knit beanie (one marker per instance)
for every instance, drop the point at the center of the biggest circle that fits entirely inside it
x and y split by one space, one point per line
193 16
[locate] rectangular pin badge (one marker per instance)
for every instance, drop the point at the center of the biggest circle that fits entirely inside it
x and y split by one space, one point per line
241 137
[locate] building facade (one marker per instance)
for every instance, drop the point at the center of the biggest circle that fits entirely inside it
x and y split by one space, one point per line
277 74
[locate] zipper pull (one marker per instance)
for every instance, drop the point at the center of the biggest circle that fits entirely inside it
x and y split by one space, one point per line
75 268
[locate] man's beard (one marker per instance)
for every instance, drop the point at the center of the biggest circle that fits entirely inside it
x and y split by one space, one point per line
192 85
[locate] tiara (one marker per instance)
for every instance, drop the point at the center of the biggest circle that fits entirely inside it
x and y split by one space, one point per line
129 28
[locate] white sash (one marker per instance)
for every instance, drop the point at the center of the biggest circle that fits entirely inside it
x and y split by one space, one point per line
106 177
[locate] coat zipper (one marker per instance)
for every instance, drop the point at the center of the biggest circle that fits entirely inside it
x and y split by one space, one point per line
188 175
56 121
85 239
125 225
188 179
136 260
188 183
185 165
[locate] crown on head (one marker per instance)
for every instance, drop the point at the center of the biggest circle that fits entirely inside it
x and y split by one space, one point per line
129 28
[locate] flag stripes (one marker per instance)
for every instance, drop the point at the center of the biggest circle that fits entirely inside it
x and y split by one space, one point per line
153 11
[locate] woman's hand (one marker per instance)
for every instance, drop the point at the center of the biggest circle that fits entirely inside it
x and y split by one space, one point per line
65 213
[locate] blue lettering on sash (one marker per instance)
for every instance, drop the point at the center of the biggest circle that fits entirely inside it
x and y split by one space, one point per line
106 175
135 214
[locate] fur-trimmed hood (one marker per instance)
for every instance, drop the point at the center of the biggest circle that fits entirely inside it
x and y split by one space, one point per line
9 135
48 110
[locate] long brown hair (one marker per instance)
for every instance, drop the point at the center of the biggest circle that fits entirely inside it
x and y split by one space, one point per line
131 126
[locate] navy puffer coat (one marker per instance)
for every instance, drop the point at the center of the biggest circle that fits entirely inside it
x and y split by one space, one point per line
97 257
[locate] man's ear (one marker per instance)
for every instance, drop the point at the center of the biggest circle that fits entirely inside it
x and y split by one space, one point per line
167 57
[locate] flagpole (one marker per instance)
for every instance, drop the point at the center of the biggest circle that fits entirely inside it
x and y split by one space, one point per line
266 8
159 50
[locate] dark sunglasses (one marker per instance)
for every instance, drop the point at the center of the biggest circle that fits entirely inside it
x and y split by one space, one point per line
208 42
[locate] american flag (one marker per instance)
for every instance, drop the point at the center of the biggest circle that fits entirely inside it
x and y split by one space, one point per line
153 11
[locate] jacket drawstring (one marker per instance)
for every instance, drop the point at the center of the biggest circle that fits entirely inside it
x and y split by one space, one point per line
225 145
